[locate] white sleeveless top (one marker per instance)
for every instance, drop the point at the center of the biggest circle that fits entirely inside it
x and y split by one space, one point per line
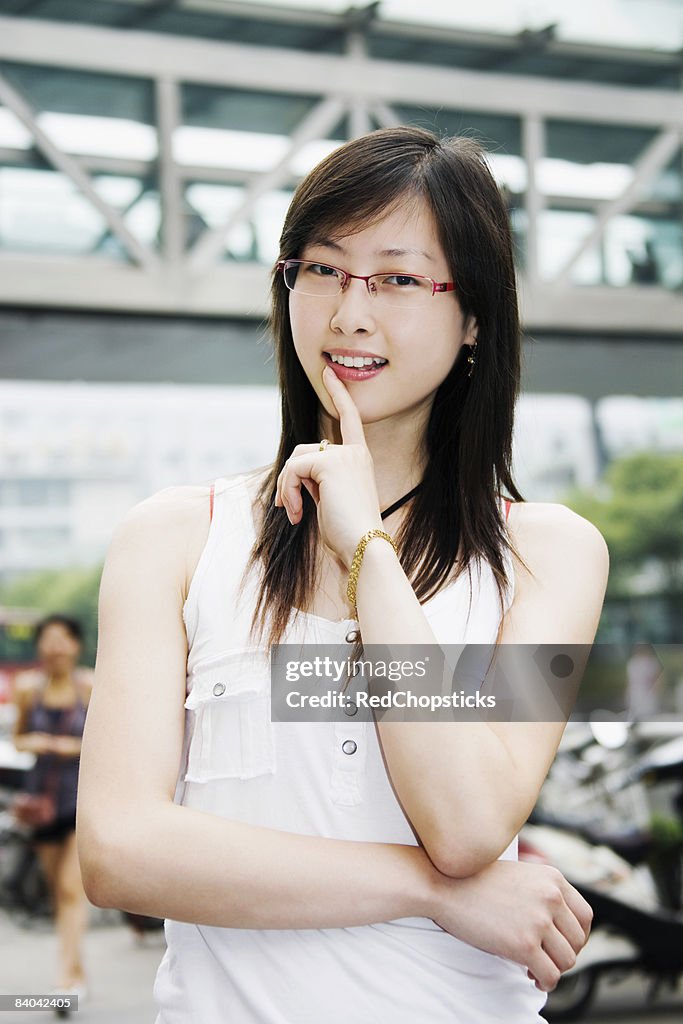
295 776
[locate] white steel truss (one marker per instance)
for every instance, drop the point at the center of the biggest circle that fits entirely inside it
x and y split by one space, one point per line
72 169
364 90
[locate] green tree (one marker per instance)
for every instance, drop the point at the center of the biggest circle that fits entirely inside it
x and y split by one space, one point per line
638 508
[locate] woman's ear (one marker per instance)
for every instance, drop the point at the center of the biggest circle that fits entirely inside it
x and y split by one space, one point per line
471 331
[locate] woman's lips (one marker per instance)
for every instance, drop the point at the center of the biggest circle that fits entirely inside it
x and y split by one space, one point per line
353 372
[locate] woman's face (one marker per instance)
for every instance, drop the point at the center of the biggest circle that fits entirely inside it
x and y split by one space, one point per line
57 650
419 344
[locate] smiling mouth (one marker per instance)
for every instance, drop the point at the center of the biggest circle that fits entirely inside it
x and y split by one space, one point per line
357 362
345 372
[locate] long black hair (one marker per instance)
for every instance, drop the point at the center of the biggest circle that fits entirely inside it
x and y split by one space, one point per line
468 442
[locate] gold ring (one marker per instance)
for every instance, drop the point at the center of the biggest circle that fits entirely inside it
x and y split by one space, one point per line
323 444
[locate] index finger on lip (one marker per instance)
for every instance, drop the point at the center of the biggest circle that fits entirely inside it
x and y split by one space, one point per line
350 423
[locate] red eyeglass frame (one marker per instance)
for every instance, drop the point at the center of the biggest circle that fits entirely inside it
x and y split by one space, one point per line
437 286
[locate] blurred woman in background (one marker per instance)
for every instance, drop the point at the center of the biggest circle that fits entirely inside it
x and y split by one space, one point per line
51 703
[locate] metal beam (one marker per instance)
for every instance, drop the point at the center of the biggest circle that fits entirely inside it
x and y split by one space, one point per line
359 115
129 168
106 233
533 147
652 159
646 310
509 46
241 289
93 346
452 34
230 289
317 123
144 54
72 169
170 185
385 116
139 15
359 119
264 12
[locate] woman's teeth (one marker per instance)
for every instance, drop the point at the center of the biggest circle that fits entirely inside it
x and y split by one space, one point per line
358 360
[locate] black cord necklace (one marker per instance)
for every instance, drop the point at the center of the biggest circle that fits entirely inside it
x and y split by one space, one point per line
401 501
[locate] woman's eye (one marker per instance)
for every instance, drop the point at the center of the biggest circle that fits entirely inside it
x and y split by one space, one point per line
321 269
401 280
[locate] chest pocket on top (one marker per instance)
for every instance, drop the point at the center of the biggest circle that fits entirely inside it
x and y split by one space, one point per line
232 734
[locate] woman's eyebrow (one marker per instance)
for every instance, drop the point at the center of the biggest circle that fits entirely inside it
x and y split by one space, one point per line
404 252
325 243
329 244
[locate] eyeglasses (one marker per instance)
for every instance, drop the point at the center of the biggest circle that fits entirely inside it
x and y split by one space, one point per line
405 291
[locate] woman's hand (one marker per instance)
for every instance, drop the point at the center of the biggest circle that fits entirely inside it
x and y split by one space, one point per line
528 913
35 742
66 746
341 480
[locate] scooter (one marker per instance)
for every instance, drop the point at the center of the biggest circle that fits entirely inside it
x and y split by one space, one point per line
23 889
624 791
631 931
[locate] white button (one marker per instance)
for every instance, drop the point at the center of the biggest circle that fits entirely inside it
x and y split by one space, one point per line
352 636
349 747
219 689
350 708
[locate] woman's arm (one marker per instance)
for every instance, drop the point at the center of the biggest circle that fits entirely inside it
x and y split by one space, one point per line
140 852
468 787
465 786
67 746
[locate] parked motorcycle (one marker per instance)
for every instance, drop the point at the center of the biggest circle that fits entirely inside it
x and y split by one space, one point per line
620 785
23 889
631 931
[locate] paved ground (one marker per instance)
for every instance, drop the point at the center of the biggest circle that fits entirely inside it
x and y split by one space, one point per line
121 970
122 973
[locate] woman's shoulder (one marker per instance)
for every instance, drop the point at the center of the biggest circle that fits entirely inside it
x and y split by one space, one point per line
169 506
171 526
181 507
549 535
26 685
548 519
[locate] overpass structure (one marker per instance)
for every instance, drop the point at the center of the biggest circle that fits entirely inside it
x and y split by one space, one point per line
148 149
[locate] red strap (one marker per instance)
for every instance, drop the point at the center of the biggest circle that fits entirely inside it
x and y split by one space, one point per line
211 493
507 508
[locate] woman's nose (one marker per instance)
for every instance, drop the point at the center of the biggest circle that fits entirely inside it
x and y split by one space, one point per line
354 310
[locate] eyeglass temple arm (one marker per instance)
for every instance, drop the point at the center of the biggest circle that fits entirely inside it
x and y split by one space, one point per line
445 286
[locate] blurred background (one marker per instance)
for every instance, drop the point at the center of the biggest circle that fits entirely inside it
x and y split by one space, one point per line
148 152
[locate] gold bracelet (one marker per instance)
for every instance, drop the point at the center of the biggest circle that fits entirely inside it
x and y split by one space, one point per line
356 564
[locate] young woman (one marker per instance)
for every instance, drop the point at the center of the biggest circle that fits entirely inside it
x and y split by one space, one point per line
313 871
51 707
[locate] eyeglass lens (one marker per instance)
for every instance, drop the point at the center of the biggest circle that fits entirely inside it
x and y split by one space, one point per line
402 290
